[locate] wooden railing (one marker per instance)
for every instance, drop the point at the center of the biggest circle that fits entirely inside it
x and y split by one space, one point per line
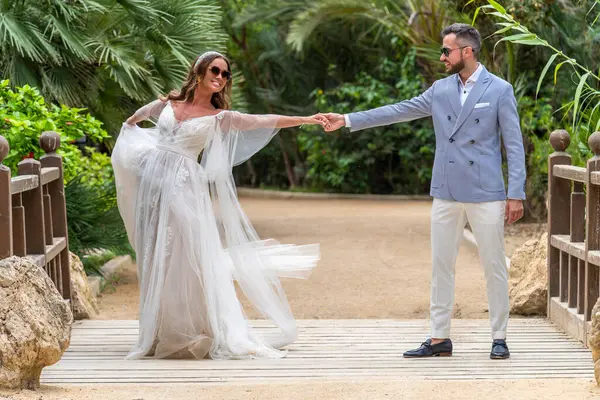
33 214
573 236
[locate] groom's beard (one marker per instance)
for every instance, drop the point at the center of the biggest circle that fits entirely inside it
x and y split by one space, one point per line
456 68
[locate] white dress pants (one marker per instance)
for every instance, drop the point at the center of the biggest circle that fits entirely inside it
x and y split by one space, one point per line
448 219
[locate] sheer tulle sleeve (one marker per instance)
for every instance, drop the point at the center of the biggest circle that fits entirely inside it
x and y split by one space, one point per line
149 112
246 134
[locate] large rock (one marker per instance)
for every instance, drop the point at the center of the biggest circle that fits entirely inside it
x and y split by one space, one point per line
594 340
85 305
35 323
528 278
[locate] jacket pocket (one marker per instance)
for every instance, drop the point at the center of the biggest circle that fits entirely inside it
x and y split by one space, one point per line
490 172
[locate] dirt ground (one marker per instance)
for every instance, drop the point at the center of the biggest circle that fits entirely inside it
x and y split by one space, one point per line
376 260
549 389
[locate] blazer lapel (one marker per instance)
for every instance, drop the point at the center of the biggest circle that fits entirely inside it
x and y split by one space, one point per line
480 86
454 94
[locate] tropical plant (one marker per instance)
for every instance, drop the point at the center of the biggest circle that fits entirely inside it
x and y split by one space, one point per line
108 55
583 110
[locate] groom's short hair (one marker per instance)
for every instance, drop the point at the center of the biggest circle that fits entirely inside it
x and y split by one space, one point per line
466 35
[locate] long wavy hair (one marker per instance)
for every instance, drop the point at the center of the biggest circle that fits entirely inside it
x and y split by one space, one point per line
220 100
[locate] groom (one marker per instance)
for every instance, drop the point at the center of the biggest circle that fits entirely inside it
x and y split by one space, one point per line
472 111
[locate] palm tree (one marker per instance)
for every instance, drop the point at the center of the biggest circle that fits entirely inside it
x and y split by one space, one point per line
108 55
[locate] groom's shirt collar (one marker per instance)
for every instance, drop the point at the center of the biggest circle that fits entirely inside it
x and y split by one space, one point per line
473 78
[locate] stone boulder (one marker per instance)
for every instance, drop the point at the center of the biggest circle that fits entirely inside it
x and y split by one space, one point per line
35 323
85 305
594 340
528 278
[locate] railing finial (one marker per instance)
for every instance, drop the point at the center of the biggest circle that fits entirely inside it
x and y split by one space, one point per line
594 143
560 140
50 142
3 148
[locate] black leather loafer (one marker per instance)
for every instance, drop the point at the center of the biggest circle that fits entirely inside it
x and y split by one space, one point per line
499 350
443 349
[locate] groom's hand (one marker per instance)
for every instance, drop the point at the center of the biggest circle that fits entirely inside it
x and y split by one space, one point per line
336 121
514 211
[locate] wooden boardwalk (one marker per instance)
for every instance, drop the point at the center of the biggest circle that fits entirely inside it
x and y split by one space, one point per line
331 350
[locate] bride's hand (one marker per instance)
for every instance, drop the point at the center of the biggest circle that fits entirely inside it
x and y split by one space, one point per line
316 119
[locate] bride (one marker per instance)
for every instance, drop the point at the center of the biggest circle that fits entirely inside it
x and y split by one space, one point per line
191 237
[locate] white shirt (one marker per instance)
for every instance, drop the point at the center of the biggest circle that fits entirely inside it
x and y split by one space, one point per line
464 89
468 86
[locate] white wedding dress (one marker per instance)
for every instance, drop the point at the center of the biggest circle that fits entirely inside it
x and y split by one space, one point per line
192 239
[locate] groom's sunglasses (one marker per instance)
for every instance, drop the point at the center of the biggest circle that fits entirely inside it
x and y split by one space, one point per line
216 70
446 51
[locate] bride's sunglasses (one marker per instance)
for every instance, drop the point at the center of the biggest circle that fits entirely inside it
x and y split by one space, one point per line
216 70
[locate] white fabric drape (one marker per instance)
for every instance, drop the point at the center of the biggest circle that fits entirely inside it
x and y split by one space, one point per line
193 240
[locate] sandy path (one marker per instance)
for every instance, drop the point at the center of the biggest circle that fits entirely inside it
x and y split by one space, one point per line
544 389
376 261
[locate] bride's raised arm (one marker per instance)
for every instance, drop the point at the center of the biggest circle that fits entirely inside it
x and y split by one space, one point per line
150 111
236 121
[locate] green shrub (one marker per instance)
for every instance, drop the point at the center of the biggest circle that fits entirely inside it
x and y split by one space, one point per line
24 115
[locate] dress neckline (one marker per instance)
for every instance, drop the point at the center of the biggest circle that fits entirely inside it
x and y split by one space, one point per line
189 119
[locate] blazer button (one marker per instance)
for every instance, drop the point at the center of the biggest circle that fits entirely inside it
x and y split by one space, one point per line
449 118
470 162
471 141
451 140
476 120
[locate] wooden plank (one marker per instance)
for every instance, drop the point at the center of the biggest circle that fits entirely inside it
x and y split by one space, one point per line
595 178
50 174
594 257
329 349
23 183
570 172
52 251
568 319
563 243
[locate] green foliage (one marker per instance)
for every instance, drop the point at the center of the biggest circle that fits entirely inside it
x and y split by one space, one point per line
92 214
24 115
583 110
390 159
93 263
111 56
93 219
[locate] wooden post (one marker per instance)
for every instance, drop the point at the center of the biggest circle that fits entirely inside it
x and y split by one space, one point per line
559 207
18 229
592 241
35 237
6 240
50 142
577 229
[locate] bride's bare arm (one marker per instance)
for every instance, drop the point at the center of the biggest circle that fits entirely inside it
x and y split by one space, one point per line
246 122
150 110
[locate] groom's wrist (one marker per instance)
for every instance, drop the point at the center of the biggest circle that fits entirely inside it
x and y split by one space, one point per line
347 120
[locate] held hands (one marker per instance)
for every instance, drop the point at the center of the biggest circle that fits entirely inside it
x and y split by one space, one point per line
330 121
317 119
334 121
